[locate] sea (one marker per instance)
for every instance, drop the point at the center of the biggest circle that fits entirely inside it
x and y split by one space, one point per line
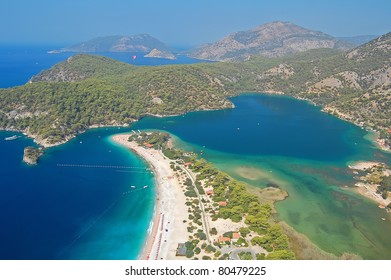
85 199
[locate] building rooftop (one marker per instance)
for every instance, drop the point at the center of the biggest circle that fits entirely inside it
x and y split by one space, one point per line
222 203
181 250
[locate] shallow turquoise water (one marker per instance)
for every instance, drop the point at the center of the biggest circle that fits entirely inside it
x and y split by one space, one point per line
304 151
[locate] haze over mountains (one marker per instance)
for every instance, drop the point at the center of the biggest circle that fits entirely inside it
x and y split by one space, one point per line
117 43
358 40
270 40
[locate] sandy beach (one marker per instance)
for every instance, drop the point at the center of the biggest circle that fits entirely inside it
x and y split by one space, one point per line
364 165
168 228
369 191
366 189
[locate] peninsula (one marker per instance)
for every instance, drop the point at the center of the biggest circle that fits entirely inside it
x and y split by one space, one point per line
194 218
202 213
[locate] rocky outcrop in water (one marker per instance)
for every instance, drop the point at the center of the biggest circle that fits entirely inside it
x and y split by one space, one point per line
31 155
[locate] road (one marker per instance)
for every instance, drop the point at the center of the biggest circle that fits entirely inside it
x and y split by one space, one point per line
205 221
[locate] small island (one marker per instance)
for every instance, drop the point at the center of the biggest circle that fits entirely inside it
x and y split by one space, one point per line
32 154
160 54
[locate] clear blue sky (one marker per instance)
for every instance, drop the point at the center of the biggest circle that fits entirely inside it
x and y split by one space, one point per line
181 22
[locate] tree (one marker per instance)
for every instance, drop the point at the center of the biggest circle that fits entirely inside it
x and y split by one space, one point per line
258 240
245 256
260 256
201 235
197 250
281 255
244 231
189 249
210 249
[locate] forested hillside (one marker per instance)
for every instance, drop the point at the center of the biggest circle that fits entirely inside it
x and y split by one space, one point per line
91 90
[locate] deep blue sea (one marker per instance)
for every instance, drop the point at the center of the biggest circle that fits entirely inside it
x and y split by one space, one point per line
52 211
55 212
19 63
63 212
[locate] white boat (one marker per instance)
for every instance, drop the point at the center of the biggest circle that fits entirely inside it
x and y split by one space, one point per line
145 187
133 187
11 138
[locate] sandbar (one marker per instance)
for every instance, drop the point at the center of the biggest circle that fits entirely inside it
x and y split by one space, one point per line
167 228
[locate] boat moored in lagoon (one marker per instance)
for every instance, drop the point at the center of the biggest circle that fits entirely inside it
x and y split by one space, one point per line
11 138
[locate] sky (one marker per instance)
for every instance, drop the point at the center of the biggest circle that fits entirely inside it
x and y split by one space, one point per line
181 22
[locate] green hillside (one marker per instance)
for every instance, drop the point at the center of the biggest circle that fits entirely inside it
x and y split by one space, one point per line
91 90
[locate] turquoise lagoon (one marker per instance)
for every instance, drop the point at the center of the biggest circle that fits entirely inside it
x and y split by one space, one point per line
277 139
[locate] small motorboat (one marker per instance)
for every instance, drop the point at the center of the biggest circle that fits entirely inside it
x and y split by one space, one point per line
11 138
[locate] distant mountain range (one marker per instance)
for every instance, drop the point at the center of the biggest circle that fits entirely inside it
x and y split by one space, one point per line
133 43
274 39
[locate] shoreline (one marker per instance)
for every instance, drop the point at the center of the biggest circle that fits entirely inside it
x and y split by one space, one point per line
378 142
166 229
366 189
369 191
